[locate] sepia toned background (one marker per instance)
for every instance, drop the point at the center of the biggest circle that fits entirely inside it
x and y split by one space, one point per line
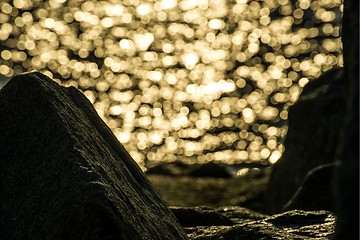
193 81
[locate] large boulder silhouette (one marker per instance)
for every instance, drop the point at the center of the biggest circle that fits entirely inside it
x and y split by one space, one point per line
64 175
315 123
347 175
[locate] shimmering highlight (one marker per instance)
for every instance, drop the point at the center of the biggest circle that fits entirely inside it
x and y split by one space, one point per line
195 81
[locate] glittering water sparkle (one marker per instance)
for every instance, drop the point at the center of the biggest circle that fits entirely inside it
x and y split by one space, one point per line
191 80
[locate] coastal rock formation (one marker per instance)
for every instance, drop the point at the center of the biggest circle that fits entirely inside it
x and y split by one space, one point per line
200 216
315 123
64 175
347 175
324 131
316 192
246 224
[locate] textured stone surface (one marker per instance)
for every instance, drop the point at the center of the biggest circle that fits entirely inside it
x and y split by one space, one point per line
200 216
63 174
250 225
315 123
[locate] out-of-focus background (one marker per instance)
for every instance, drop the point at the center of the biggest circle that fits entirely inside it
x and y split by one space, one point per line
194 81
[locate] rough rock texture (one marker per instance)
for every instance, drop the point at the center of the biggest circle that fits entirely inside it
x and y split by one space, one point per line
63 174
200 216
315 122
249 225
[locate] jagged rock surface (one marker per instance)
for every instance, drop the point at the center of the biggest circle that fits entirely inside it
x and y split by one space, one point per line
200 216
246 224
63 174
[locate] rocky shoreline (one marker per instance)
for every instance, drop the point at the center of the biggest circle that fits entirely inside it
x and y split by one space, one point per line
231 207
295 224
182 185
64 175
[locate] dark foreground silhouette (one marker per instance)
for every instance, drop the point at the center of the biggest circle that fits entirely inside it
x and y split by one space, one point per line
65 176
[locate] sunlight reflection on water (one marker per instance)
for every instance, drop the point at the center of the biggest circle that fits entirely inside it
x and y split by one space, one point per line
195 81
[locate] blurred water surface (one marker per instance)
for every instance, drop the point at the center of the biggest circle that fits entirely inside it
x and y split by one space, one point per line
192 80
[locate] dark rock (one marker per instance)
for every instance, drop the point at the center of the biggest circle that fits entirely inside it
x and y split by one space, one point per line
314 131
294 224
200 216
210 169
239 214
314 224
63 174
347 188
318 180
170 169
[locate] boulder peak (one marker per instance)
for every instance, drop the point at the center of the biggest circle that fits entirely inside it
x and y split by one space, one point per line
63 173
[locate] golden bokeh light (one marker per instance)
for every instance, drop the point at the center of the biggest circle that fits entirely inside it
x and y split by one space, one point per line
180 80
